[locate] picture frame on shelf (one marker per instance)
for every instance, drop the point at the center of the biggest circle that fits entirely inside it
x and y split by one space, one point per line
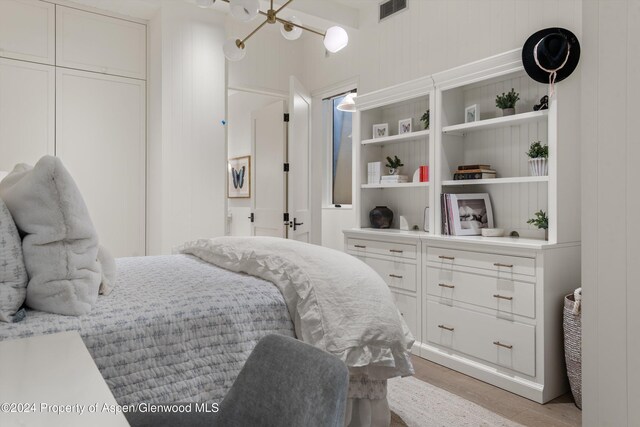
471 213
405 126
471 113
239 179
380 130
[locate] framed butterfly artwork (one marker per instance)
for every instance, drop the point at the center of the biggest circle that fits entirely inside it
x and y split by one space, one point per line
239 180
404 126
381 130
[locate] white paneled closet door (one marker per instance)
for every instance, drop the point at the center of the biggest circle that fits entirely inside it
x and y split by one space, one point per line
100 136
27 112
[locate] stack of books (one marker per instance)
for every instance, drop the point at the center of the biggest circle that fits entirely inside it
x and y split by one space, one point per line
374 170
474 172
394 179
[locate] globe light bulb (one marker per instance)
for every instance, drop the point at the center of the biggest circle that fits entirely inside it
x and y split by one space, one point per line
335 39
232 51
290 32
244 10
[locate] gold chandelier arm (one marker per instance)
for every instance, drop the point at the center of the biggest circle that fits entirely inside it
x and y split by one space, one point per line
253 32
284 21
281 7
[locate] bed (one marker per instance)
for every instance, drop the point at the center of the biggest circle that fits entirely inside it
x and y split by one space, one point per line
174 329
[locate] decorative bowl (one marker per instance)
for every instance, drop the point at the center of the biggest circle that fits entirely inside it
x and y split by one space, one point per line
493 232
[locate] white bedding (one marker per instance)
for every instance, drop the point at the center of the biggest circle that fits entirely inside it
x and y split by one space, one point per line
337 302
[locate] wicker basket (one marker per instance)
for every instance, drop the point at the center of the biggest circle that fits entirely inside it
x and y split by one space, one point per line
573 348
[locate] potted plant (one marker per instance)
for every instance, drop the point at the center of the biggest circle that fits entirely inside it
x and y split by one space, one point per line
394 165
507 102
425 119
541 220
538 155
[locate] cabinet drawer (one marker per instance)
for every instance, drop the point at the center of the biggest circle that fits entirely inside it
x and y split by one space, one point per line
363 247
400 275
501 342
408 307
487 261
504 295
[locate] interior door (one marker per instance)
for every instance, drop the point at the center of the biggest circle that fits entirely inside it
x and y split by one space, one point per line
268 175
299 200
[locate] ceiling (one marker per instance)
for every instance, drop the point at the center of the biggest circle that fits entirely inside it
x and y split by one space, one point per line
342 12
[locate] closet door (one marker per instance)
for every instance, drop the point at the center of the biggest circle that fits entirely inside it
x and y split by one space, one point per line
27 112
27 30
100 136
92 42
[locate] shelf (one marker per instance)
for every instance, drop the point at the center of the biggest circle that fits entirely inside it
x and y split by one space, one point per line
498 122
514 180
397 138
403 185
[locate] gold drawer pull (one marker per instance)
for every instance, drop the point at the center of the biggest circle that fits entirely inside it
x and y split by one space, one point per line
446 328
397 251
443 285
451 258
499 344
360 246
395 276
502 297
499 264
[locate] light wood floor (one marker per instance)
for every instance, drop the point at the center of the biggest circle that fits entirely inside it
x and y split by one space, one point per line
560 412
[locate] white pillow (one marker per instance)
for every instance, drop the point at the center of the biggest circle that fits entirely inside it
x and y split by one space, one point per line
13 276
60 245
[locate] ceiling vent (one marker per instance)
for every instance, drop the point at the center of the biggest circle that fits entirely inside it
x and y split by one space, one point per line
391 7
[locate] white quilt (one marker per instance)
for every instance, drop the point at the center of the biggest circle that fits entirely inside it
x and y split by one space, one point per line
338 303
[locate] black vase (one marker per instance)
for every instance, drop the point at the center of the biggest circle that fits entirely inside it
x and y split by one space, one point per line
381 217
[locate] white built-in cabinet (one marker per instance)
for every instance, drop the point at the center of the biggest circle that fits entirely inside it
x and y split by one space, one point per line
73 84
100 134
93 42
27 30
490 307
27 112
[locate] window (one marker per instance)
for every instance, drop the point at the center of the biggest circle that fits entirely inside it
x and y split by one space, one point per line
341 153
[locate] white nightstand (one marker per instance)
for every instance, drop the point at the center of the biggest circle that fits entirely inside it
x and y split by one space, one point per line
39 372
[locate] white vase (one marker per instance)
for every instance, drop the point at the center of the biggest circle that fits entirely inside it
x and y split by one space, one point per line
538 167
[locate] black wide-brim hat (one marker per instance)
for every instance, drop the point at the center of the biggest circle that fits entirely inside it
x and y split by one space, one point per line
551 54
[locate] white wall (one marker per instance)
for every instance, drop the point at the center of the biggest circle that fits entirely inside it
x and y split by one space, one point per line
239 127
610 206
186 146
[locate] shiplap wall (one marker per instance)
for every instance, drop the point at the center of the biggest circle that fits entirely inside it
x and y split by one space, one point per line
432 36
186 147
610 206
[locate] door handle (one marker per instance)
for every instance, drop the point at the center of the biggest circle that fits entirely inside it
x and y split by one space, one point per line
295 224
251 217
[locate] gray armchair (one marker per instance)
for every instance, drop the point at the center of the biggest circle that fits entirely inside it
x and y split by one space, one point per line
284 382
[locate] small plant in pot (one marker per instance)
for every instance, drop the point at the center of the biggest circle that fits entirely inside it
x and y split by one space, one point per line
507 102
541 220
538 155
425 119
394 165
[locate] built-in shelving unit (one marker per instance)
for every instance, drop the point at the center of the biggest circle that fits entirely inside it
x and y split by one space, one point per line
397 138
479 305
407 101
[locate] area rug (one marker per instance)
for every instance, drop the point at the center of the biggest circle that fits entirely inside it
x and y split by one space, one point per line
415 403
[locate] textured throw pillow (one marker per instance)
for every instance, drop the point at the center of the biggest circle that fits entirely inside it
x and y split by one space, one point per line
60 245
13 276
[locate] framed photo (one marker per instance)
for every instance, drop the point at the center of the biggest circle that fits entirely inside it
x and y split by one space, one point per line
471 113
381 130
404 126
239 180
471 213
